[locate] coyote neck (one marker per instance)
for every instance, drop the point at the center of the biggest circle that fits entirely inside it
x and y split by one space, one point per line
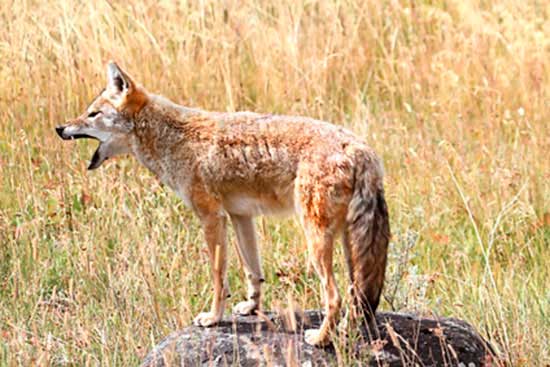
165 137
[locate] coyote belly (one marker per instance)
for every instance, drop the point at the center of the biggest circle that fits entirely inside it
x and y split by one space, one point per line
235 166
253 205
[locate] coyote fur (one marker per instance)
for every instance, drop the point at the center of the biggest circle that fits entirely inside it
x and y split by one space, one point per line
235 166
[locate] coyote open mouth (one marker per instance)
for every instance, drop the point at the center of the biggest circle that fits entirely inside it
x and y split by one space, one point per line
98 158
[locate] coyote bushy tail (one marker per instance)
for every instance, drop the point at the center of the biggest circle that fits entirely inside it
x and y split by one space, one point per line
367 236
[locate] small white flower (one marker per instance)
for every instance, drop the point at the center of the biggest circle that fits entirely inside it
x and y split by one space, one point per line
521 112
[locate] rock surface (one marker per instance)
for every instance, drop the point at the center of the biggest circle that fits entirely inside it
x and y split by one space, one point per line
399 339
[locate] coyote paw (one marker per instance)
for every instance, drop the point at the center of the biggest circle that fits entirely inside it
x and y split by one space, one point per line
206 319
245 308
314 337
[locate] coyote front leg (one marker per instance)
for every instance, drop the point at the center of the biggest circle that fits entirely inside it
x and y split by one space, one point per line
214 225
249 255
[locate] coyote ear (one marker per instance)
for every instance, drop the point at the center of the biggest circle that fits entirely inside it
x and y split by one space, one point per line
117 80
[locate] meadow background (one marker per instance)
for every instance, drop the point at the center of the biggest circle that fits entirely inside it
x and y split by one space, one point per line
96 267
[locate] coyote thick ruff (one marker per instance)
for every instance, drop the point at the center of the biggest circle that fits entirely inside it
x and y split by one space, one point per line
238 165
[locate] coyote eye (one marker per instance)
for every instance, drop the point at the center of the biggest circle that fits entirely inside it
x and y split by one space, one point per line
94 114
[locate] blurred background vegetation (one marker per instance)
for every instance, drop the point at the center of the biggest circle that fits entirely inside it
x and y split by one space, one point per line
96 267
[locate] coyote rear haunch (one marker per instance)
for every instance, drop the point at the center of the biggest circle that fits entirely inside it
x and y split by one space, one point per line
243 164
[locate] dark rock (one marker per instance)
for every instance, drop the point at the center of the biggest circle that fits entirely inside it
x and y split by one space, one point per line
398 339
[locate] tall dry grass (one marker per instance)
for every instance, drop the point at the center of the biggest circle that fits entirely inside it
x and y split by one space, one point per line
454 95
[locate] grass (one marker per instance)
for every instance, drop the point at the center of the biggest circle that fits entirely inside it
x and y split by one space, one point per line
454 95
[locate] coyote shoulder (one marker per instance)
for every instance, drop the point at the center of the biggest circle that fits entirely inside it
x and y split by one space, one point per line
234 166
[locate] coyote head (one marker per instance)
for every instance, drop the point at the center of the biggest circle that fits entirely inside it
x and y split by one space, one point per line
109 118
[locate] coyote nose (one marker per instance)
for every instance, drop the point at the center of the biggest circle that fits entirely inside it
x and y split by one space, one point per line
59 131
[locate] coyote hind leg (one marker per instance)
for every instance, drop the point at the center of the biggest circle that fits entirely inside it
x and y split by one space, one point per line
322 194
320 244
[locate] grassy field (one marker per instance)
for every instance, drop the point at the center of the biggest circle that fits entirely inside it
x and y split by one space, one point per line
454 95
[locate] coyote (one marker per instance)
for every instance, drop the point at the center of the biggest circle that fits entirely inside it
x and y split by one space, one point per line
234 166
